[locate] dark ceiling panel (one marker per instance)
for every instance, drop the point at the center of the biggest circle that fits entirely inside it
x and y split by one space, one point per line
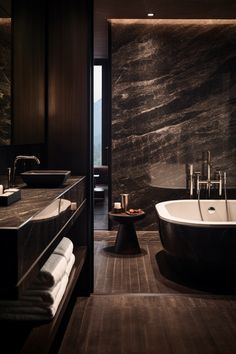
192 9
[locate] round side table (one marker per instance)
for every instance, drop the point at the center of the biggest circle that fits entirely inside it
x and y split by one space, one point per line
126 239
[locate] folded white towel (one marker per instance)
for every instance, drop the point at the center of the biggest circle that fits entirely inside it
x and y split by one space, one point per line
36 297
46 296
70 264
51 272
51 310
64 248
23 310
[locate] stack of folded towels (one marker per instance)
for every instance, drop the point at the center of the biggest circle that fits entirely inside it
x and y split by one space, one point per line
41 300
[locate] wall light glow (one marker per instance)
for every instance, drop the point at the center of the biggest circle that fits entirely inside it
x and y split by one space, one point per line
155 21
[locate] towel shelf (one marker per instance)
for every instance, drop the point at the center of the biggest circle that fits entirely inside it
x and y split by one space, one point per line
48 331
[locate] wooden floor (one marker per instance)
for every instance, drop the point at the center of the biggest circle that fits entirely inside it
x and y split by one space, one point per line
140 307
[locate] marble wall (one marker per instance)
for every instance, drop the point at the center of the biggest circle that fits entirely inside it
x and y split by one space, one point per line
5 81
173 97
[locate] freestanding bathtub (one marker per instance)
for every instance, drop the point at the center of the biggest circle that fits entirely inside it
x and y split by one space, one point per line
204 237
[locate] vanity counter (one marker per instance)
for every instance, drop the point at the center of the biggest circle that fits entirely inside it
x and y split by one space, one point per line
33 200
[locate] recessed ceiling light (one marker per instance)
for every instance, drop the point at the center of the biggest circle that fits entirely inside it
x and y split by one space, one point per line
150 14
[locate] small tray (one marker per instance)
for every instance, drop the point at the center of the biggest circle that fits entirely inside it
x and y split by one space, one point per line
10 196
135 212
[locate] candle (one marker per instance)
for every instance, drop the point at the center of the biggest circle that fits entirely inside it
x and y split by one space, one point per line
1 189
117 205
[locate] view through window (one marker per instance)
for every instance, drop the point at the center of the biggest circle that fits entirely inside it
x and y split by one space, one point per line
97 114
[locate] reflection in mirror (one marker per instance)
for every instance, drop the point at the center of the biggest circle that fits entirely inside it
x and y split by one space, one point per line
5 73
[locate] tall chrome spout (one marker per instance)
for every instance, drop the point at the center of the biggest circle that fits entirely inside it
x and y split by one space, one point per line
206 165
190 178
22 157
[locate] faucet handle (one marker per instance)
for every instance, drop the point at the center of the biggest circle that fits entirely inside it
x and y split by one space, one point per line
218 174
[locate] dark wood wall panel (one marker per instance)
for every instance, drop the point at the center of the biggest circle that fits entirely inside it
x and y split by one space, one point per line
28 72
70 63
69 66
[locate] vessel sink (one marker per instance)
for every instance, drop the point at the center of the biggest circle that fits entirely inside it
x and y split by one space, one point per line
45 178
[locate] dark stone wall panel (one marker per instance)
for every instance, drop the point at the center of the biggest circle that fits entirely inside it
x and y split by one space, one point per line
5 81
173 97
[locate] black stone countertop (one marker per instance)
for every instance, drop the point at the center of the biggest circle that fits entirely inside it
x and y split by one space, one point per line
32 201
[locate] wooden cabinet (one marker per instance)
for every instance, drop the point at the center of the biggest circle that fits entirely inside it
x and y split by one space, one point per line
27 240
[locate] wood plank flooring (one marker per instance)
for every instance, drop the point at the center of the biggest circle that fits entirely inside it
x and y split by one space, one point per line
135 309
127 274
149 324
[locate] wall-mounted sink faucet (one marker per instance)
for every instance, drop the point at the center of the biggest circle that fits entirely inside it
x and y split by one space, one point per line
198 179
21 157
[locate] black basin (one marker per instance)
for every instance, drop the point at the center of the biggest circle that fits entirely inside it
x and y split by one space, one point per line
45 178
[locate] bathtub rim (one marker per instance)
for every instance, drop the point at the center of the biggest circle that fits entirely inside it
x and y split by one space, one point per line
163 214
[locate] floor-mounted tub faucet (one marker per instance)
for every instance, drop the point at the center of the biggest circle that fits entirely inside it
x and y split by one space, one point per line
209 183
22 157
206 180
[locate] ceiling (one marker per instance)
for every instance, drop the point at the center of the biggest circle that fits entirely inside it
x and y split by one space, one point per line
163 9
136 9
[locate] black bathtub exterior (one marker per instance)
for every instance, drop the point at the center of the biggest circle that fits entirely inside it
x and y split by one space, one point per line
200 246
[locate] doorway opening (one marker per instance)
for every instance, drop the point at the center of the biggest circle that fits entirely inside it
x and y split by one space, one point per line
101 144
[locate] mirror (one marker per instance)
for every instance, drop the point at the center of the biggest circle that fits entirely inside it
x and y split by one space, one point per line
5 72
